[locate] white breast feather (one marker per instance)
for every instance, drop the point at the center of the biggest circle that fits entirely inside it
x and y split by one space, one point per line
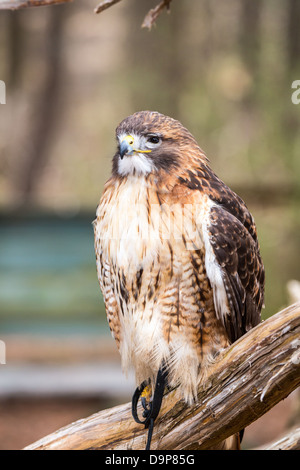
129 241
138 163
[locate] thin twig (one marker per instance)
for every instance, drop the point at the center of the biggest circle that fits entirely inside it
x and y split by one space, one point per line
153 14
105 4
16 5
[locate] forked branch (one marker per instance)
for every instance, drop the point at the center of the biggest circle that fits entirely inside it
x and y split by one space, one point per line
149 19
148 22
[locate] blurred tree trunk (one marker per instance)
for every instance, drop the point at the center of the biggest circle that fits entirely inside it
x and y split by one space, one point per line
174 67
15 47
45 111
293 35
166 41
250 33
250 41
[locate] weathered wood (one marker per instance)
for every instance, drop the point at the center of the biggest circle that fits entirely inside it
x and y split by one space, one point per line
247 379
290 441
18 4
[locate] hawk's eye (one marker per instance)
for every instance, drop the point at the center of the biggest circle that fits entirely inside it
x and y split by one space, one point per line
153 139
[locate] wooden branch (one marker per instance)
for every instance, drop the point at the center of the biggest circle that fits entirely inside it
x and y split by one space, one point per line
153 14
247 379
105 4
18 4
290 441
148 22
149 19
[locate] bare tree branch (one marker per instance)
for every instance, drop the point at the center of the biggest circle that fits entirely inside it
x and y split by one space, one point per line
290 441
153 14
148 22
247 379
44 110
105 4
17 4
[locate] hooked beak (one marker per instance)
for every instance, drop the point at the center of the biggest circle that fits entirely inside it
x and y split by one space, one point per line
126 146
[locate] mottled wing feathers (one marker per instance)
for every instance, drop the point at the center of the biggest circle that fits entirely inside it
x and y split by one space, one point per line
205 180
233 239
242 271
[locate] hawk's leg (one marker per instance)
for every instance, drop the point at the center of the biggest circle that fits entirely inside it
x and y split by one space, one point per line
151 407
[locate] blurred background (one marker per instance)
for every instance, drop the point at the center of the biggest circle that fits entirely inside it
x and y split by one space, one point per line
225 70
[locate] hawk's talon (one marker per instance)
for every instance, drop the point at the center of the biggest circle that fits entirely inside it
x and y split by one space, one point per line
151 408
146 405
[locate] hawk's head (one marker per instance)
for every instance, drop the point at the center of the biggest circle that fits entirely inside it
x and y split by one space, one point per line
149 142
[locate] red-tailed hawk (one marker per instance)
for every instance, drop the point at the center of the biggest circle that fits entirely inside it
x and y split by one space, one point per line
177 255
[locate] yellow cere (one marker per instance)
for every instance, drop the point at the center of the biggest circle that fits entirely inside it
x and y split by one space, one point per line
130 140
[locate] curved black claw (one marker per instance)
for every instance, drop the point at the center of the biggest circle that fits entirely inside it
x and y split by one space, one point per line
152 408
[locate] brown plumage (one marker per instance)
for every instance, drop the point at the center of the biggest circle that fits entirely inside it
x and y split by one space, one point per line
177 254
